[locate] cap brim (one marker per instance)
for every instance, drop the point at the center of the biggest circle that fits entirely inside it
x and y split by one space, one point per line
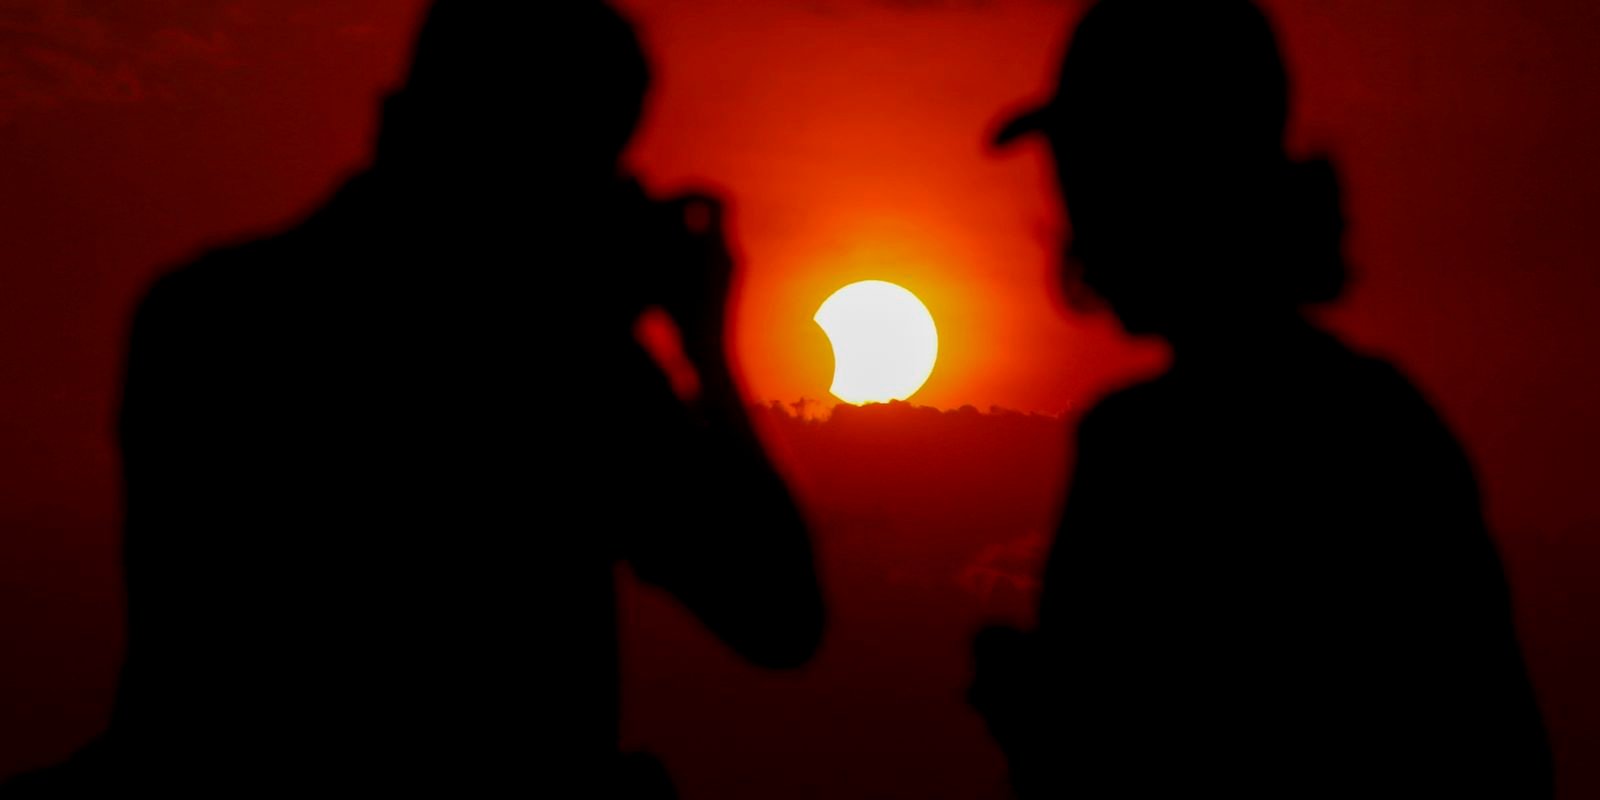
1028 123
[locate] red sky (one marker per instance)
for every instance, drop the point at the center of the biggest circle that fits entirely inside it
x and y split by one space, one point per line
848 137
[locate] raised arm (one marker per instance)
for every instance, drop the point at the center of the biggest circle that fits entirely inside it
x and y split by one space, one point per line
1461 662
177 490
728 541
1025 681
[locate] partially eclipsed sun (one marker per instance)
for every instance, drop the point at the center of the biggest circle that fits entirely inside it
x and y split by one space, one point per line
884 342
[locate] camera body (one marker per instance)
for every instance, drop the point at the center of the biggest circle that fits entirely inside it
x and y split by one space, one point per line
679 262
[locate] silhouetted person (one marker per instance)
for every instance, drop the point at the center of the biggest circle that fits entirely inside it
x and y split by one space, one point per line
380 468
1272 577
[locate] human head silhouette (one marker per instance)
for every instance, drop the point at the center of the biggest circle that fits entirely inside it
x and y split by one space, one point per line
537 91
1187 214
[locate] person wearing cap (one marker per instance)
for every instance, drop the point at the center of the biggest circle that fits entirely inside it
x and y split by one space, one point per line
1272 575
381 468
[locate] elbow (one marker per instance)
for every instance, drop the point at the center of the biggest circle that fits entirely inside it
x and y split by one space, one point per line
791 640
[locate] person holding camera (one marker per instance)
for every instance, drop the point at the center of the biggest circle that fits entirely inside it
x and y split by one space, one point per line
380 468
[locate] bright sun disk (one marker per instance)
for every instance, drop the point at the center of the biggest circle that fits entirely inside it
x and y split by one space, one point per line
884 342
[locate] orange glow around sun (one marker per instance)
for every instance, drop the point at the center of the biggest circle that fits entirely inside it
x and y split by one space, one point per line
842 160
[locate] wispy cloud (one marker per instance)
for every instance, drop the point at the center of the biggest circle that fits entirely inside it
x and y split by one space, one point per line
54 52
60 52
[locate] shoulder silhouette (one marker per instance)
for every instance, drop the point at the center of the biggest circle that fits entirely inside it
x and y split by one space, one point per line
1272 576
381 467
